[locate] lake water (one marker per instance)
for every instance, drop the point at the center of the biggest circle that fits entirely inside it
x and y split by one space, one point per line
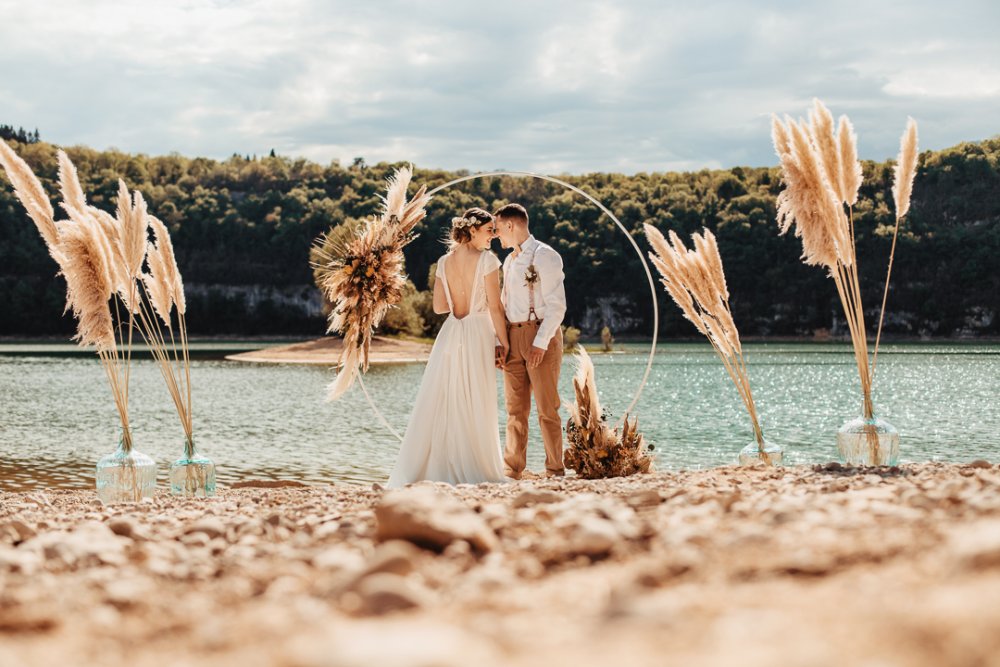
270 422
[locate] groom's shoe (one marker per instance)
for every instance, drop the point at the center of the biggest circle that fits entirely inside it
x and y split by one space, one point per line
555 473
511 474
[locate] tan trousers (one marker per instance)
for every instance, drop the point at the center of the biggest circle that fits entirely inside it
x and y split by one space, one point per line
519 383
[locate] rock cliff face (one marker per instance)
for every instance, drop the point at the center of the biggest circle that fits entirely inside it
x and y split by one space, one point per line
618 312
255 309
304 299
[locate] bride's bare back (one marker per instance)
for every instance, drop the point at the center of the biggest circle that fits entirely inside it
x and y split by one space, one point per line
460 269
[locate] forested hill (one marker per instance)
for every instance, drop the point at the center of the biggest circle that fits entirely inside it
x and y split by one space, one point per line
243 228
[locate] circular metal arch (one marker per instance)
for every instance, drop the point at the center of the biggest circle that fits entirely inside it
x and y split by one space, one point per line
631 239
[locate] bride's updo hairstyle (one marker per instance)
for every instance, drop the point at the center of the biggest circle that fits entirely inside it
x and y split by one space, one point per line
461 228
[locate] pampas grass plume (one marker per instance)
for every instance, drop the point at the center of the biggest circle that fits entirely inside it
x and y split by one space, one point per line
69 183
87 280
850 167
133 222
821 122
905 170
170 274
30 192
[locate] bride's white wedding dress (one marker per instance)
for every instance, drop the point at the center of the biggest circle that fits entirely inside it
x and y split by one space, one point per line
453 435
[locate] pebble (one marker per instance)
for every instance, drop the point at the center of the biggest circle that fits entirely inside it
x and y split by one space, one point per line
385 593
431 519
977 545
210 526
536 497
122 526
593 537
393 557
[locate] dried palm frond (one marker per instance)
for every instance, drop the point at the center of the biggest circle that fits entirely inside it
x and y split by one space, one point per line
696 281
902 187
595 449
365 277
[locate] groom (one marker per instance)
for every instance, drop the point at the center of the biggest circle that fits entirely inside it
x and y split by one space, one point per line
534 301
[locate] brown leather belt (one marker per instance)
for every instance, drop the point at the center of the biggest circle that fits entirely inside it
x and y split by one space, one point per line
518 325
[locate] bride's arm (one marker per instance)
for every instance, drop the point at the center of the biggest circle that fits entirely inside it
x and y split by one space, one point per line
440 298
496 308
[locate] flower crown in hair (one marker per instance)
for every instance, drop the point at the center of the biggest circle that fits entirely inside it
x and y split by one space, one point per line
459 223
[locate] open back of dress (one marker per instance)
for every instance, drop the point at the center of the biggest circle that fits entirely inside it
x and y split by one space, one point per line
475 289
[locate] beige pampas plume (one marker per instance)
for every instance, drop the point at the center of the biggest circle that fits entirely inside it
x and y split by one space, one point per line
69 183
157 283
905 170
133 223
779 136
808 202
87 280
696 281
171 275
395 197
902 188
821 125
850 167
31 194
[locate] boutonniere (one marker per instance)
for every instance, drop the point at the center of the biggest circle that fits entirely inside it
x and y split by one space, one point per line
531 275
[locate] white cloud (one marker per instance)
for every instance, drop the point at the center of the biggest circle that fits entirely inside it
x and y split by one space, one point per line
958 83
558 87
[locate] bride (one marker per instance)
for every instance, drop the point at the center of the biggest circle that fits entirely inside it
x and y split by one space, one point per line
452 435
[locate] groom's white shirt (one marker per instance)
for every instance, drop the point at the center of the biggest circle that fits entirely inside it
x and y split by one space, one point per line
550 294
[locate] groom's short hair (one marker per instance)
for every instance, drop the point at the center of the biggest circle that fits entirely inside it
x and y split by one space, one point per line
512 212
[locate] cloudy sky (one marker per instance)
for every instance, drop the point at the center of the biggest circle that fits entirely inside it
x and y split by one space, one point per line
567 86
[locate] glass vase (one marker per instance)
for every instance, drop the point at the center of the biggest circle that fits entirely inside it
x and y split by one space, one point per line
126 476
751 454
192 475
870 441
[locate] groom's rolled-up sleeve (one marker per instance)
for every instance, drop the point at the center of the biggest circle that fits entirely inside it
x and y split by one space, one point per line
550 271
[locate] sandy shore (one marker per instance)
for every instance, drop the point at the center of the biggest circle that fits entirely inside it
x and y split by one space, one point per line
798 566
326 352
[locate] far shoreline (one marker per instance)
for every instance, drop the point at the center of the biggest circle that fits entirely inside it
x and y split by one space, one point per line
389 350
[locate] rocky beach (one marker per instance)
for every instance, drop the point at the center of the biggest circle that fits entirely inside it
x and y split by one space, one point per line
806 565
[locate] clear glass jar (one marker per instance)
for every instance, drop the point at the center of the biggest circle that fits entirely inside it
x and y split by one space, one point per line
192 475
751 454
126 476
868 442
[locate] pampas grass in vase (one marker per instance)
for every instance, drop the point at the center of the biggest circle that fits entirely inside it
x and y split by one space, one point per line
595 449
92 267
192 475
696 281
822 175
102 258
